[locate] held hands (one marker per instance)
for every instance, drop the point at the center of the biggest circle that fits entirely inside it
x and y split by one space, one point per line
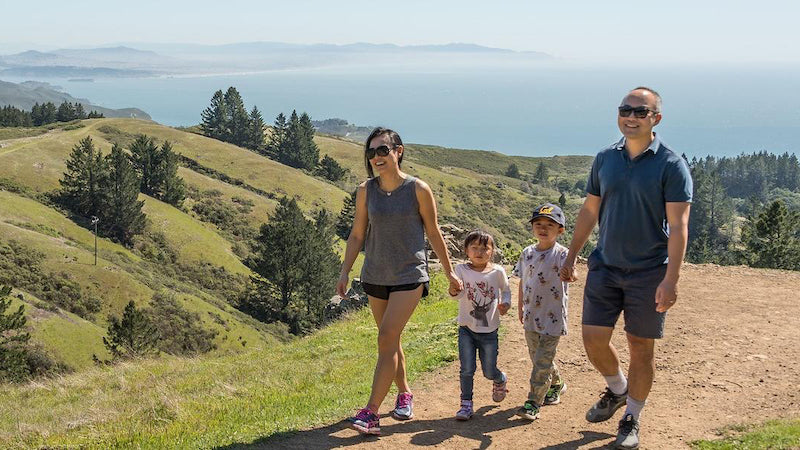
519 314
503 308
568 273
455 284
341 285
666 295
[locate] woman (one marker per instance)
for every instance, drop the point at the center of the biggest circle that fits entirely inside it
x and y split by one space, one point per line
394 211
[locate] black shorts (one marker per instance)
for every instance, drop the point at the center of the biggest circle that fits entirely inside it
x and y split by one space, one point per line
382 292
610 291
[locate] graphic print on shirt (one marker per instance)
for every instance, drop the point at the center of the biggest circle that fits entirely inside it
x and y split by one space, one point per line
481 299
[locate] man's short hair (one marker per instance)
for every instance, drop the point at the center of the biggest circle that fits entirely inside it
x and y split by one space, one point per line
652 91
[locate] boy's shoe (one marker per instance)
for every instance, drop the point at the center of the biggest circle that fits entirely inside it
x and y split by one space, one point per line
403 406
465 413
627 433
553 396
365 422
605 408
499 391
529 411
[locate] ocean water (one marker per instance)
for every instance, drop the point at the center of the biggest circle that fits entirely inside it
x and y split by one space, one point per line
533 111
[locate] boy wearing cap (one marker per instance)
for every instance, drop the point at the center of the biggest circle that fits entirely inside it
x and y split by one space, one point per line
542 307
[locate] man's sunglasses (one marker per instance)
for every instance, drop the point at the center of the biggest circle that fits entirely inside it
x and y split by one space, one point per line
383 150
640 112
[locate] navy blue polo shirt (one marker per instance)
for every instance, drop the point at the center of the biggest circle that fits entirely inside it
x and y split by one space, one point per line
633 196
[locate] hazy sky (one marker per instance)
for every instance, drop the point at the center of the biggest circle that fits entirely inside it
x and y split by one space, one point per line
583 30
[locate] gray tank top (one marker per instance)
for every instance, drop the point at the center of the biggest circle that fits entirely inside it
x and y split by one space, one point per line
395 243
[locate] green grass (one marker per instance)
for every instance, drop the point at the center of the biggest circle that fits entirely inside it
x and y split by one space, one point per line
775 435
19 132
215 401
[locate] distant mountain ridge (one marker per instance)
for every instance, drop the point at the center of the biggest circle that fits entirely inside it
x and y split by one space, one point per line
25 95
158 59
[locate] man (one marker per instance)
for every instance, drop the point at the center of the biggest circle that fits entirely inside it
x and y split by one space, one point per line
640 190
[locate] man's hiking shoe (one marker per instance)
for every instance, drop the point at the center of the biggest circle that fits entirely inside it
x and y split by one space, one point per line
605 408
465 413
403 406
627 433
529 411
553 396
499 391
365 422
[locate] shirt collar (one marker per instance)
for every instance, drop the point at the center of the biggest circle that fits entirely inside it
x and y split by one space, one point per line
654 146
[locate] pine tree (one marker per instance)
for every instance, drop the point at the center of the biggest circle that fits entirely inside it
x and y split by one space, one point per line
282 248
239 123
711 210
13 340
49 113
172 187
36 115
772 238
329 169
321 276
122 218
66 112
277 137
82 187
562 200
309 152
215 118
540 177
255 139
146 160
512 171
79 112
131 336
344 222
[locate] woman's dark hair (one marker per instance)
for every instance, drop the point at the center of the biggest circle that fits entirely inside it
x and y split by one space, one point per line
394 138
481 236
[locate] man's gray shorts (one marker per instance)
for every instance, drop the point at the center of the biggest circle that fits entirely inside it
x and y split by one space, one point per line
612 290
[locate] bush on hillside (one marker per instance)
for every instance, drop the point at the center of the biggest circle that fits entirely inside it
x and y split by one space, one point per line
180 331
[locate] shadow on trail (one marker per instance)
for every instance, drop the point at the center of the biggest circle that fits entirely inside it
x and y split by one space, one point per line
423 433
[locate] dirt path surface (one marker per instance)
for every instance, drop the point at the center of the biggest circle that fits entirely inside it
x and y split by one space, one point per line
730 355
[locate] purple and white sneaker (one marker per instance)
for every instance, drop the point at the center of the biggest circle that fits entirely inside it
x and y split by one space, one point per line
365 422
403 406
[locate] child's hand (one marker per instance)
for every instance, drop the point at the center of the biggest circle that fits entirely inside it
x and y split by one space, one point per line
503 308
455 285
519 314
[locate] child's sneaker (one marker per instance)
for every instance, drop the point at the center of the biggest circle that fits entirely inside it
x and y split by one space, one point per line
403 406
365 422
553 396
465 413
529 411
499 391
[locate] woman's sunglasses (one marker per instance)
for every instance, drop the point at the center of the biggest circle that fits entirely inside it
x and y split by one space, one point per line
640 112
383 150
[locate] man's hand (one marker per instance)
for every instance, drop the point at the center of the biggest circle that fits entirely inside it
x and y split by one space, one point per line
568 273
666 295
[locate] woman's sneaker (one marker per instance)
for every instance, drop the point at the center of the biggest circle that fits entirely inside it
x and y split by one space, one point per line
465 413
365 422
553 396
403 406
529 410
499 390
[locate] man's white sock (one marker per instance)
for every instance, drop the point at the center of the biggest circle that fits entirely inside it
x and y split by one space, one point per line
617 383
634 407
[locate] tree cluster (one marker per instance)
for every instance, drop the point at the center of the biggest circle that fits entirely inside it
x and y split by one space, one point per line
108 187
164 326
44 114
747 185
297 268
292 143
227 120
13 340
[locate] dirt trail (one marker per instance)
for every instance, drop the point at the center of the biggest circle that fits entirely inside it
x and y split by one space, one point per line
730 356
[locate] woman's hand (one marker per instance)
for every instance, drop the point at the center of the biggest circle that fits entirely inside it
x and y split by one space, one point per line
341 285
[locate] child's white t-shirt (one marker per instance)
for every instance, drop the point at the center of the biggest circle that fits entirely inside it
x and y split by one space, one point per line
477 302
544 295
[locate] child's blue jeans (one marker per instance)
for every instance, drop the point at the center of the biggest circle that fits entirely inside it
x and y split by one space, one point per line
486 346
